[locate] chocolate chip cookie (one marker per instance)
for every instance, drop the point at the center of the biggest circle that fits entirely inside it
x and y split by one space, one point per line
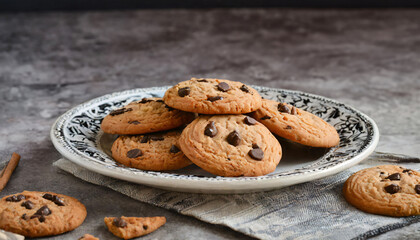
145 116
213 96
38 214
156 152
131 227
231 145
296 124
386 190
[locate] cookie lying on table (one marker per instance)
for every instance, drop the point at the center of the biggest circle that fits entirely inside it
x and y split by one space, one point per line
386 190
131 227
38 214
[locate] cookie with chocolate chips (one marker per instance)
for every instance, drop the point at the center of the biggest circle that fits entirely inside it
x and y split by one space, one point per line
39 214
231 145
144 116
213 96
386 190
296 124
156 151
132 227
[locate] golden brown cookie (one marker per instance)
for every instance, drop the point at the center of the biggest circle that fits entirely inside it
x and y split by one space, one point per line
131 227
213 96
38 214
156 152
88 237
145 116
386 190
231 145
296 124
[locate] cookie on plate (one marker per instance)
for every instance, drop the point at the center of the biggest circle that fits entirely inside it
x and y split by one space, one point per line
145 116
213 96
131 227
296 124
38 214
156 152
231 145
386 190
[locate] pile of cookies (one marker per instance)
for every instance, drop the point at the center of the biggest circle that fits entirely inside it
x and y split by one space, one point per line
202 121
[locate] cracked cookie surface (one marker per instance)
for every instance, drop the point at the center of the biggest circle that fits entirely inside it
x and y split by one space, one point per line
144 116
386 190
213 96
37 214
156 151
296 124
231 145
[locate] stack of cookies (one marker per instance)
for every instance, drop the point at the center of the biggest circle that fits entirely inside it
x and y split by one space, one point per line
202 121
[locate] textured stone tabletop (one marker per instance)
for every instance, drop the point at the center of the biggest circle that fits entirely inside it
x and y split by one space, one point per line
50 62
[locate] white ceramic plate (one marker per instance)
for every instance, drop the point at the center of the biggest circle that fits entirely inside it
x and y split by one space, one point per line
78 137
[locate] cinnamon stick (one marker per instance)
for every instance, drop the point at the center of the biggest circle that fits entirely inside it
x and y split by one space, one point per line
8 170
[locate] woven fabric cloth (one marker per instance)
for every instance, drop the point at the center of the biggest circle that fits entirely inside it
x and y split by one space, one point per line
312 210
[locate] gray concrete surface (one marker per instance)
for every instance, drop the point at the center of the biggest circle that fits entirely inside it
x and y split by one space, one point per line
50 62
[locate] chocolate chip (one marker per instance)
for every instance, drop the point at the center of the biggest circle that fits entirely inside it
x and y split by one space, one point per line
256 154
283 108
210 129
417 188
244 88
294 111
250 121
43 211
24 216
182 92
13 198
265 117
134 153
202 80
212 99
21 197
159 100
145 139
145 227
145 100
27 204
407 170
254 145
120 111
394 177
288 127
58 201
174 149
233 138
134 122
157 138
224 87
48 196
119 222
393 188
